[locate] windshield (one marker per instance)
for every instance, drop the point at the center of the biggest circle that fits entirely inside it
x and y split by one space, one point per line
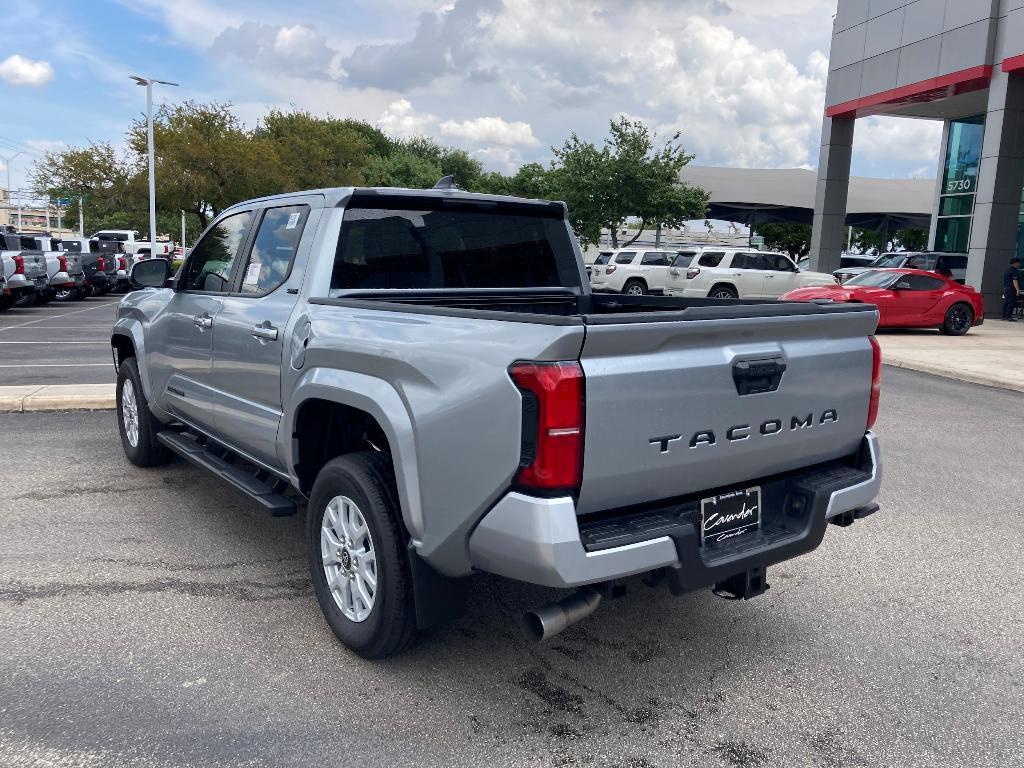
874 279
889 261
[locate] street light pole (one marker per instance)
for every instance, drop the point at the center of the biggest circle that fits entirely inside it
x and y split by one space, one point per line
148 82
8 159
183 231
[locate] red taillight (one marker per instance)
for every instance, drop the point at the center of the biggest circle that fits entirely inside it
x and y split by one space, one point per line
122 263
19 265
876 381
62 262
692 273
101 264
552 425
609 269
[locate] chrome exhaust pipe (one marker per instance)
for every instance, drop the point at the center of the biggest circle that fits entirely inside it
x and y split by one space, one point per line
548 620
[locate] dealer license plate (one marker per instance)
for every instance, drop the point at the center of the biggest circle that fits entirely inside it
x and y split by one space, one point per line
729 515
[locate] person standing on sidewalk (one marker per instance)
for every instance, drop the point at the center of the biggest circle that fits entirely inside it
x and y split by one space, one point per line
1011 287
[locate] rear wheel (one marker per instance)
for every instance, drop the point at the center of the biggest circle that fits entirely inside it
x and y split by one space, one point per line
357 555
67 294
635 288
958 321
723 292
6 302
26 299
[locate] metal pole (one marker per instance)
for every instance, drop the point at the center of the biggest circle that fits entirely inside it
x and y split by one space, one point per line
152 178
19 212
81 218
47 214
58 218
183 230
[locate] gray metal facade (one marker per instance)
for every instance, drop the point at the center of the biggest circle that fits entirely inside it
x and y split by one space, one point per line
929 59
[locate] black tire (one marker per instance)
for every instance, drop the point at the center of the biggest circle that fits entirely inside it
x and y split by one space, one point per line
67 294
26 299
367 479
723 292
959 320
45 298
6 302
147 451
634 288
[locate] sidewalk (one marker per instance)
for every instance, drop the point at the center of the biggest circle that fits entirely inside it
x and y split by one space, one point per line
57 397
992 354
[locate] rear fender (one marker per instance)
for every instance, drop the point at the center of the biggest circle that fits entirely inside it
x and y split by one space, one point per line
382 401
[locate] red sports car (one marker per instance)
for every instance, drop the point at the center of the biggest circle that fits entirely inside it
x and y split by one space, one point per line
906 298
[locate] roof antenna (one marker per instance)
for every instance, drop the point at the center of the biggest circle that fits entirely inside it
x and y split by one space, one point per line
446 182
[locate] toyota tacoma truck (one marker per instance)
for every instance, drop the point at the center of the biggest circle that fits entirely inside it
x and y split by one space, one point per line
429 375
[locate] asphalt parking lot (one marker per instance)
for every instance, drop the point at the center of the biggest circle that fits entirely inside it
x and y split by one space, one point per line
156 618
58 343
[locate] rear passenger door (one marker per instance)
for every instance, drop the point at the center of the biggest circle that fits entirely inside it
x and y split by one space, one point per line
253 328
654 268
747 271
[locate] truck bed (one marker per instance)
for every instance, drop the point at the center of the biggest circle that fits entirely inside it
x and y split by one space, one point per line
566 307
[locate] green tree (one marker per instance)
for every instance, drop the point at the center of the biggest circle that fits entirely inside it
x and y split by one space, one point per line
631 176
794 239
318 152
207 161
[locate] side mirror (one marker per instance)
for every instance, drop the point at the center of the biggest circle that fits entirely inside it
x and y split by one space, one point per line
150 273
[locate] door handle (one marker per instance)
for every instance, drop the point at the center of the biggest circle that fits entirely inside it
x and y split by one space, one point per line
203 322
264 332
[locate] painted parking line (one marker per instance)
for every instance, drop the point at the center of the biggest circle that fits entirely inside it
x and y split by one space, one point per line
60 315
94 343
59 365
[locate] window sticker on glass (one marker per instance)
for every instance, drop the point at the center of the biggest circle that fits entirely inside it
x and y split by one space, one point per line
293 220
252 274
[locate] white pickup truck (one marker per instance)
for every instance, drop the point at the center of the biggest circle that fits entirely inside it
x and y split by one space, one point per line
131 244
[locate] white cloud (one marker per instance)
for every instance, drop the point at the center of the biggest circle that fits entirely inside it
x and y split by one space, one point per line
504 159
17 70
491 130
402 121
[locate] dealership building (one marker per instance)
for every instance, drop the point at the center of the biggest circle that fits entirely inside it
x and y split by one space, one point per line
958 61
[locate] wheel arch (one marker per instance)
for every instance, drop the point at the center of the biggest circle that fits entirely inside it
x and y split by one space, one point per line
332 413
723 284
126 340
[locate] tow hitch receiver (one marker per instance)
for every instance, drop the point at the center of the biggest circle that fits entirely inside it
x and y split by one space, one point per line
743 586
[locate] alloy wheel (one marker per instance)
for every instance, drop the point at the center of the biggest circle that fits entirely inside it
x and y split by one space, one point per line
349 560
130 413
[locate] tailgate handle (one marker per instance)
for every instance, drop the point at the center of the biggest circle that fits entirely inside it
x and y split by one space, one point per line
754 377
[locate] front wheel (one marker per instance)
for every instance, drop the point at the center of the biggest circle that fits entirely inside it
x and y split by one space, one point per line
135 422
357 555
958 321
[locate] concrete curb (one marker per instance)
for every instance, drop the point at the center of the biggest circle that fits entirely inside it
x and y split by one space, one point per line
947 373
57 397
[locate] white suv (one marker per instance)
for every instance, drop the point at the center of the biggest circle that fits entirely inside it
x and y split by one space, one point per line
634 271
739 273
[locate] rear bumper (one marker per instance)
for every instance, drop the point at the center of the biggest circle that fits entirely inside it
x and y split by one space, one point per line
540 540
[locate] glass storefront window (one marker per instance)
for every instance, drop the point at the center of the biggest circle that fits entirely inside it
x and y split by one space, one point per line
1020 228
953 234
959 183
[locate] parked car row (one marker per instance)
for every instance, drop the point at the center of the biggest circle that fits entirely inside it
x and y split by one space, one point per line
38 268
701 272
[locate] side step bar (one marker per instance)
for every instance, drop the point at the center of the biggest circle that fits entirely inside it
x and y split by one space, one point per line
260 490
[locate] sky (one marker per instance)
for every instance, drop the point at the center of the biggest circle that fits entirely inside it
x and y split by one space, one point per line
742 81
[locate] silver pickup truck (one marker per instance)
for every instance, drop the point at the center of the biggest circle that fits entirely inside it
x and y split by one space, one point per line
429 374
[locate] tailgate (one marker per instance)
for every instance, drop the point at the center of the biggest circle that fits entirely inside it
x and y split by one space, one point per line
665 417
35 264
